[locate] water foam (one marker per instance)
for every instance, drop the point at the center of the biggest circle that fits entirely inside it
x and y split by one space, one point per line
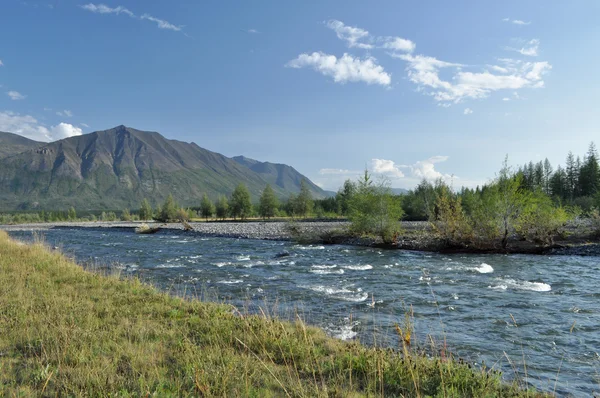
523 285
327 271
484 269
231 282
359 267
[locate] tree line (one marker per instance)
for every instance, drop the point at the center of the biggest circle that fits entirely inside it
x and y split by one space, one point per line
237 206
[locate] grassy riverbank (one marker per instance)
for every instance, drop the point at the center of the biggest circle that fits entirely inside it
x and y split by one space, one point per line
66 331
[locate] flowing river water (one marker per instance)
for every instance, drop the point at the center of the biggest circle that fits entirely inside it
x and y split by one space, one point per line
533 317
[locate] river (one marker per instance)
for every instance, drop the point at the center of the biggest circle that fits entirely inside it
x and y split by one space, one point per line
505 310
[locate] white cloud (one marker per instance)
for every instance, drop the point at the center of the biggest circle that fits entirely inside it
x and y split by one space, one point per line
505 99
360 38
344 69
399 44
64 130
65 113
29 127
426 168
425 72
104 9
530 49
350 34
15 95
1 63
516 21
254 31
468 111
84 125
162 24
336 172
386 167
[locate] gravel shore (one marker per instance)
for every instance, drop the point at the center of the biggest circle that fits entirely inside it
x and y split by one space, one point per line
416 235
246 230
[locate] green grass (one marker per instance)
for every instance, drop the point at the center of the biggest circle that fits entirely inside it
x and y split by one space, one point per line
65 331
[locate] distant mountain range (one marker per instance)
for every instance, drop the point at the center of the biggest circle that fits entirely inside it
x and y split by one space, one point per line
117 168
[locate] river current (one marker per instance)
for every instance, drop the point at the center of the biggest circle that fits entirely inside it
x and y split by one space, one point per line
506 311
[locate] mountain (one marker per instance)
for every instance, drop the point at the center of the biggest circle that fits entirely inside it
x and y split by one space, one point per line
278 175
117 168
11 144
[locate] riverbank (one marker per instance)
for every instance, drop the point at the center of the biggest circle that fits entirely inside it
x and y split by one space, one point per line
416 235
67 331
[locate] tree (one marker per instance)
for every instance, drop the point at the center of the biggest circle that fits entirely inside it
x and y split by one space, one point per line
572 174
559 184
169 211
72 216
125 215
145 210
540 220
222 207
451 222
344 196
589 174
207 208
268 203
304 202
374 210
547 175
508 200
239 203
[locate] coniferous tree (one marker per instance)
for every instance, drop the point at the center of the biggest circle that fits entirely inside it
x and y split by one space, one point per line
344 195
207 208
268 203
572 176
169 211
304 201
222 207
72 215
589 173
145 210
547 174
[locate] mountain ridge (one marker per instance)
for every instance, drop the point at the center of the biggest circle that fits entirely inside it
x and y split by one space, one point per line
118 167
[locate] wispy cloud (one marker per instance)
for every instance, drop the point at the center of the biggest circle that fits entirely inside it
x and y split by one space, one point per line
15 95
65 113
353 36
84 125
104 9
468 111
29 127
1 63
162 24
356 37
425 73
252 31
344 69
530 48
516 21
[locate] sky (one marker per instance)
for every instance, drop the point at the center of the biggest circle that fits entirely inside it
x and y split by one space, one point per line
407 89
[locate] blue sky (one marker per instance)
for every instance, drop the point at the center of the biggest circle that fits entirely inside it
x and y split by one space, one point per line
408 89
